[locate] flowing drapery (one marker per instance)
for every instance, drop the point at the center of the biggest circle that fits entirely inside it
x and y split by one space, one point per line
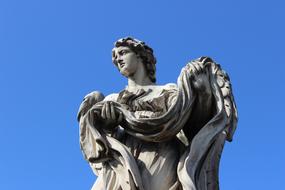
198 164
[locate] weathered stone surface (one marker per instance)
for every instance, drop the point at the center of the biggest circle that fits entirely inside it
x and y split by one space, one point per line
158 137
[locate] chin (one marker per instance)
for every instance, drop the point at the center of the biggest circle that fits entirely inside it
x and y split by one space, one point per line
126 73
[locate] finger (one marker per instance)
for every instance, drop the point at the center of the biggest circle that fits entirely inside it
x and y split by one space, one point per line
188 65
97 112
198 69
194 70
202 67
113 114
120 119
206 71
103 111
108 110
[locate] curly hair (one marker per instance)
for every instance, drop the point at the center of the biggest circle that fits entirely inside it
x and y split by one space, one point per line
142 50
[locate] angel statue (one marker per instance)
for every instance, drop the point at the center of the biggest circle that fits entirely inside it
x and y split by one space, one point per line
158 137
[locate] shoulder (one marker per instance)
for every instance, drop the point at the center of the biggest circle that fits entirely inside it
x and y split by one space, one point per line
167 89
111 97
170 86
167 86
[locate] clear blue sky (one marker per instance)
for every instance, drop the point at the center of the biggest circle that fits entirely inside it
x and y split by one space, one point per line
53 52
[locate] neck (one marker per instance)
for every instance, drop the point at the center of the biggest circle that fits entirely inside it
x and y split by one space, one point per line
139 79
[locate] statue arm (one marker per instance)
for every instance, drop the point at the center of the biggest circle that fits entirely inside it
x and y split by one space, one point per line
201 83
207 139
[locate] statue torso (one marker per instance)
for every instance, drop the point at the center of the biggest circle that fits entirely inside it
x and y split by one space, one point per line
156 161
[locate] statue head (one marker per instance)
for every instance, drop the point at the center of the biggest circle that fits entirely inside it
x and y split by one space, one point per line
141 50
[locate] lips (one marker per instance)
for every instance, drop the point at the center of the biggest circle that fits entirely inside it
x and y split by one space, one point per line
122 64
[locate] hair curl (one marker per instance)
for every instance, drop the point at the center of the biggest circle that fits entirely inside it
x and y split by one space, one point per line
141 49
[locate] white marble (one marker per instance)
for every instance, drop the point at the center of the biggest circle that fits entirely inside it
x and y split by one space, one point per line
150 137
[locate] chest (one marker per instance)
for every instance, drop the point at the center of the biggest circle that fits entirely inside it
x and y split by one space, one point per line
154 101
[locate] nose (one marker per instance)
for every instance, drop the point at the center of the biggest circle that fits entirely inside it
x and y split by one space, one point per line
119 60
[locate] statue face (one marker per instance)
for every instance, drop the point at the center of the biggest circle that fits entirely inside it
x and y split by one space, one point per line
127 60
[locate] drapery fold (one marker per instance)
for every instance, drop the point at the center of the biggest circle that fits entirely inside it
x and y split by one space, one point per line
99 147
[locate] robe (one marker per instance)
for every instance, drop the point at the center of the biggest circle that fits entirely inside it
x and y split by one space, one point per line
163 142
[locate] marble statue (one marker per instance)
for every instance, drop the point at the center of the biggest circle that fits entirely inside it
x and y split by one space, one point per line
158 137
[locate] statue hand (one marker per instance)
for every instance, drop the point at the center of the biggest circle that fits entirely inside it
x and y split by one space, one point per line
109 116
200 77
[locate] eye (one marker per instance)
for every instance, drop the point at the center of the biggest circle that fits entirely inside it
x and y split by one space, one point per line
123 52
